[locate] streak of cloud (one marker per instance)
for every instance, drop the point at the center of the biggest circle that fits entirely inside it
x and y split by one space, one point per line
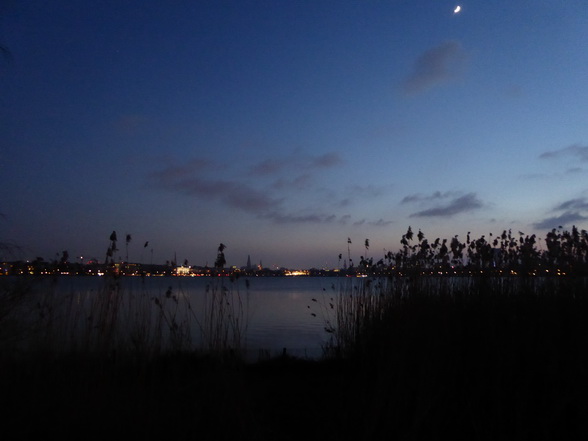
298 183
424 198
268 167
435 66
462 204
294 162
131 124
344 219
313 218
574 170
235 194
372 191
379 223
565 219
181 179
192 179
576 151
573 204
174 172
327 160
572 212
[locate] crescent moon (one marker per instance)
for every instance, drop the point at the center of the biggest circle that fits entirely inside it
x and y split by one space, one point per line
457 9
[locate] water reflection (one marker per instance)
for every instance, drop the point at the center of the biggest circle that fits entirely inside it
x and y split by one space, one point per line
275 311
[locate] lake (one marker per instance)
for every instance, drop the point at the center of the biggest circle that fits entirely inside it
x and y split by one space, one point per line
276 313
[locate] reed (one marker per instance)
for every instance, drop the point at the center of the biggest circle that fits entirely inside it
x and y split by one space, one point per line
476 357
365 308
123 317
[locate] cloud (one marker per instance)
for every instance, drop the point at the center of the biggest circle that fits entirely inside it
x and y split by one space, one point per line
314 218
417 197
193 179
462 204
234 194
576 151
573 204
267 167
345 202
574 170
535 176
435 66
296 162
370 190
565 219
572 210
182 179
514 91
300 182
344 219
175 172
327 160
131 124
250 200
379 223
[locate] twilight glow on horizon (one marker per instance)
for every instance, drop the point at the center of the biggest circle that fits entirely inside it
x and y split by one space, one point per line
282 129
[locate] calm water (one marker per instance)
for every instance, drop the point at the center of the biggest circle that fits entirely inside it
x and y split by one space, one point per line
278 311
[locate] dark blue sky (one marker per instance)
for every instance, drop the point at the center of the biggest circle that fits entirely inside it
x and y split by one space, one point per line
281 128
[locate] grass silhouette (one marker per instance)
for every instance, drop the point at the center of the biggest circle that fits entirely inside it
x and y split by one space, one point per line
494 350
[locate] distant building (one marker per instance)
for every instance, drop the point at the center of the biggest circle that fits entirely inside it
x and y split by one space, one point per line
183 270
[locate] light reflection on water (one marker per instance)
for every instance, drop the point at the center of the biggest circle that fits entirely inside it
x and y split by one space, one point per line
276 308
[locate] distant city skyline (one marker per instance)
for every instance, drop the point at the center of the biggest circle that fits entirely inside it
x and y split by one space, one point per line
282 129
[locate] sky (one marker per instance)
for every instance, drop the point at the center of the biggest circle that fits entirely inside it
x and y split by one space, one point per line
284 128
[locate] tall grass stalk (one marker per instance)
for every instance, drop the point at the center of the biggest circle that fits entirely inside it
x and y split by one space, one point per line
365 308
225 317
123 317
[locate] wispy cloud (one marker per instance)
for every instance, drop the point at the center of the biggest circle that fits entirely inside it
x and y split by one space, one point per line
344 219
573 210
573 204
295 162
190 179
171 173
372 191
434 66
312 218
570 172
379 223
130 124
234 194
270 202
351 194
325 161
298 183
514 91
417 197
574 170
462 204
267 167
576 151
565 219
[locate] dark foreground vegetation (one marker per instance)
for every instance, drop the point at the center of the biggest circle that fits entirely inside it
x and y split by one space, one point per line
426 358
494 356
